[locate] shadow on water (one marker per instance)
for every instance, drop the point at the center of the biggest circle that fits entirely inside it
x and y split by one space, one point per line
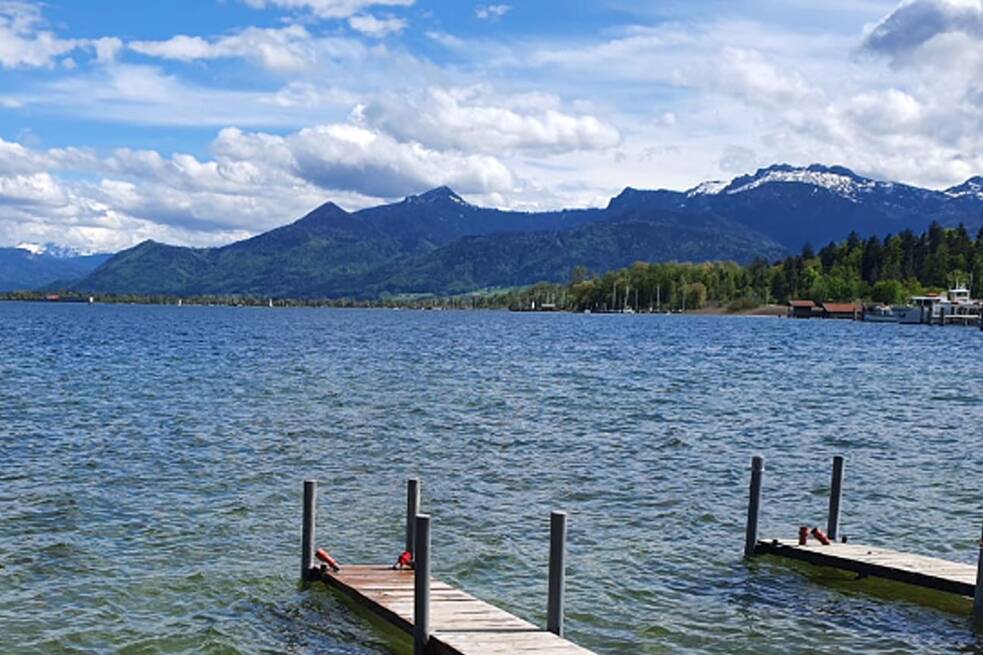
801 575
386 636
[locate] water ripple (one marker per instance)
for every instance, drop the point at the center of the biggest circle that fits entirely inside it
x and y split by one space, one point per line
150 462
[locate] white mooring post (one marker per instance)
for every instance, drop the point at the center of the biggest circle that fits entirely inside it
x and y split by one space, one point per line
835 496
307 532
557 573
754 504
421 586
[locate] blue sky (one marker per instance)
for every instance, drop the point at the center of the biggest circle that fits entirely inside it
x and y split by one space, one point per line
203 122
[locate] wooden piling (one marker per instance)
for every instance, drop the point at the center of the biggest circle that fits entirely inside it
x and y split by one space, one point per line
754 504
557 573
978 595
412 509
308 530
421 586
835 496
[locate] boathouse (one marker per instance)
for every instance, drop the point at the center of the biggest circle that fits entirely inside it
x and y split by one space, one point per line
801 309
839 310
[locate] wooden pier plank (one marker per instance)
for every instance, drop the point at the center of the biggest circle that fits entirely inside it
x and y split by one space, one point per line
918 570
460 623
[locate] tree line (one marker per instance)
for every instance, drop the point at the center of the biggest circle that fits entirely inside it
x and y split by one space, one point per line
887 270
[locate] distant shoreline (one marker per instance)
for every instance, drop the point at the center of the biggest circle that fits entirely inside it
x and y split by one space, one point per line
443 304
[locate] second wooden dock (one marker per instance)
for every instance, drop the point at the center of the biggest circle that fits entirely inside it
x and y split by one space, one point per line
871 561
865 560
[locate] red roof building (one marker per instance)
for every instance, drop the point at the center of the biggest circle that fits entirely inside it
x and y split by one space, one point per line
840 310
801 308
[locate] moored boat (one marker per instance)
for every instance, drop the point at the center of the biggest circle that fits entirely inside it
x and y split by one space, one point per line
955 306
880 314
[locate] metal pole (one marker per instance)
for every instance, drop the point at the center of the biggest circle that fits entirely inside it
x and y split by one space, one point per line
835 495
978 596
754 503
412 507
421 586
558 573
307 538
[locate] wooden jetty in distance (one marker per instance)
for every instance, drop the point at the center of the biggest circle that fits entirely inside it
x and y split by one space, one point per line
442 620
867 561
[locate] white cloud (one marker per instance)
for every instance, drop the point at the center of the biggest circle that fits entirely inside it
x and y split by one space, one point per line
16 159
284 49
114 202
491 12
755 78
107 48
469 120
916 22
26 43
254 182
145 95
445 39
22 41
885 111
376 27
368 162
328 8
34 189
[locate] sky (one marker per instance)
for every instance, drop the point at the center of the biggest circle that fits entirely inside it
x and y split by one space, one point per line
200 122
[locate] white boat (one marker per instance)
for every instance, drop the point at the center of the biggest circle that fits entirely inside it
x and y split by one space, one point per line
880 314
955 306
959 308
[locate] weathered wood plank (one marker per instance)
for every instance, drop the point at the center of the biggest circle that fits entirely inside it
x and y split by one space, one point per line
918 570
460 623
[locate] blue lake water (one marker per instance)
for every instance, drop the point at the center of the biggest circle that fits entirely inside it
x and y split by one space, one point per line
151 461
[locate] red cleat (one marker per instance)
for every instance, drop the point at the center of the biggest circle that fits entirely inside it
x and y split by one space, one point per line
323 555
405 561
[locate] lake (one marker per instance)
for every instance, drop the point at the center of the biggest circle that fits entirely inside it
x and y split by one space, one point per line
151 461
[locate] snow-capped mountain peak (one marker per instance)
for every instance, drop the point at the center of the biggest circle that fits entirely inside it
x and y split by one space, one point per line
51 250
973 187
440 194
33 248
836 179
708 188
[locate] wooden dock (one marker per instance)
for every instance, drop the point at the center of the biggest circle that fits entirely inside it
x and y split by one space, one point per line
460 624
864 560
871 561
442 620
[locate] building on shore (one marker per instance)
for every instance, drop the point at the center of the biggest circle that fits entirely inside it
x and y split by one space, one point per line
802 309
840 310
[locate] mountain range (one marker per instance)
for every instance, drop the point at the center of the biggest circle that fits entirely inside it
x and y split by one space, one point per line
429 243
32 266
438 243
